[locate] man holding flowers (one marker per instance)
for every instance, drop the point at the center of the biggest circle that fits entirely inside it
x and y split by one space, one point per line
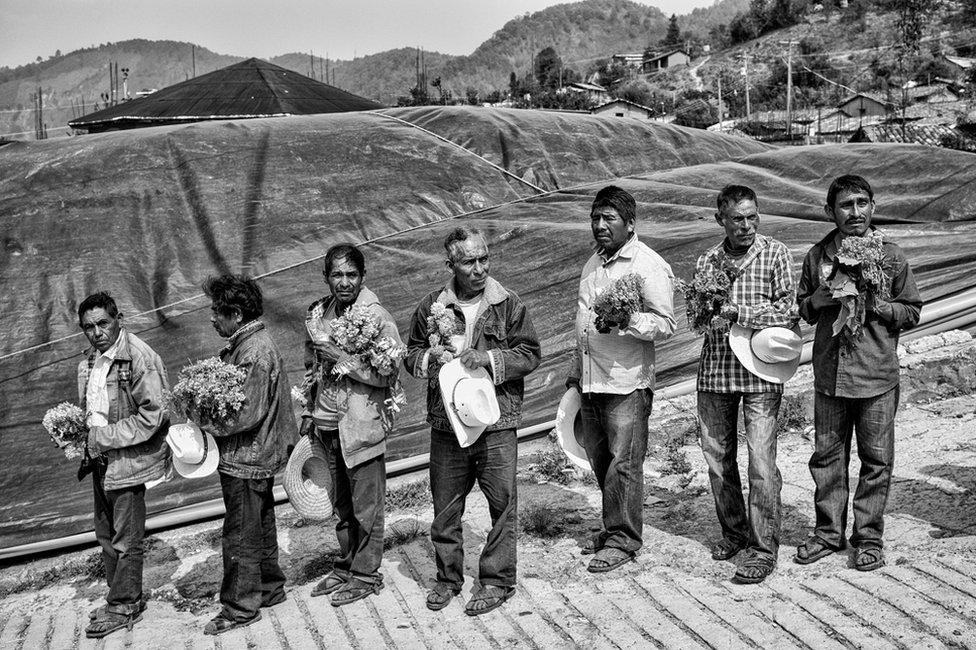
858 288
351 392
120 386
624 306
253 444
761 295
476 319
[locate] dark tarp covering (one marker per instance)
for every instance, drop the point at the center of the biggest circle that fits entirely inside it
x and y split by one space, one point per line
148 214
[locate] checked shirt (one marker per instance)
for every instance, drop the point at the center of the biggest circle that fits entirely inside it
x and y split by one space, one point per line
766 295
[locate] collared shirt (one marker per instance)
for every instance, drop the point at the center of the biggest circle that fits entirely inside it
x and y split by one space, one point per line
96 392
622 361
869 367
765 294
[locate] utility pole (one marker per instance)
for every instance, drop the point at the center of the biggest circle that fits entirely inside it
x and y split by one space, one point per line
748 105
789 87
193 58
720 126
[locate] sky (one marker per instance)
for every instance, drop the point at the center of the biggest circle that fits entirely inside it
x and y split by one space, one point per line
265 28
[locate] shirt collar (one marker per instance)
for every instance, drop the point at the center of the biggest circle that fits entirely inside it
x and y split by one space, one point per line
626 251
113 351
243 332
494 293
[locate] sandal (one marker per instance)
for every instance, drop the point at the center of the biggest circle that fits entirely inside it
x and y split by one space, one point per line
726 549
103 609
492 596
754 570
594 544
440 596
108 622
812 550
609 558
220 624
353 590
332 582
868 558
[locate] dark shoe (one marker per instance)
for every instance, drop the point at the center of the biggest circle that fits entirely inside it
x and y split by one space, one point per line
108 622
812 550
609 558
487 598
275 601
440 596
220 624
726 549
353 590
868 558
100 611
755 569
331 582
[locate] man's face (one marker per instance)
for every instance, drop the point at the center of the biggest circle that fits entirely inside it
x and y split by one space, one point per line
470 266
852 212
225 324
344 280
741 222
101 329
610 230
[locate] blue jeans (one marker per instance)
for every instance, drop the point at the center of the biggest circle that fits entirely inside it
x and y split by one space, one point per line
252 576
491 460
358 497
719 414
873 419
615 439
120 527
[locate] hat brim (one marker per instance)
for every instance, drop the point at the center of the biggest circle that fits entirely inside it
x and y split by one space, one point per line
567 420
307 481
449 375
198 470
740 340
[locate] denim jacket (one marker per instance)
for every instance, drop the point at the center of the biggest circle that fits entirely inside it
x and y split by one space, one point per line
257 442
362 401
133 445
502 328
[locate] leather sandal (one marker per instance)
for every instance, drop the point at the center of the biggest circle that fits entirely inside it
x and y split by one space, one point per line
812 550
609 558
488 598
593 544
331 582
108 622
726 549
754 570
868 558
440 596
220 624
103 609
353 590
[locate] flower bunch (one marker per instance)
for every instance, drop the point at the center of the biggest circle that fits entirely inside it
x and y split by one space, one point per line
357 333
441 326
860 272
209 391
301 393
709 290
65 423
618 302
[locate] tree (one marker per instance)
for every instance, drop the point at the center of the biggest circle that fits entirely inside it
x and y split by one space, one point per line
547 68
673 38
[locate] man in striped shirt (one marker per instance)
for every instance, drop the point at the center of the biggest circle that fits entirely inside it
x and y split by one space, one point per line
762 296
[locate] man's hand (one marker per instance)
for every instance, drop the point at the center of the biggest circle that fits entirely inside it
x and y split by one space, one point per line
573 382
472 359
306 428
329 351
878 306
821 298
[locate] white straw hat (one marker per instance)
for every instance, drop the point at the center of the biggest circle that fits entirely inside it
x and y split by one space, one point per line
195 453
569 429
307 481
772 354
469 400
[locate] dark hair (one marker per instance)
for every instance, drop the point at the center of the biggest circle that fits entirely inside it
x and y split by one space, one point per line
848 183
459 234
346 252
617 198
231 293
732 194
100 300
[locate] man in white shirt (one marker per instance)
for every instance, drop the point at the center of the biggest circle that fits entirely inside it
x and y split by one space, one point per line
614 372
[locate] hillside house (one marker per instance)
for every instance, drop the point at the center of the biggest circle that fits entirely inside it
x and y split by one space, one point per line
665 60
629 59
624 108
863 105
593 92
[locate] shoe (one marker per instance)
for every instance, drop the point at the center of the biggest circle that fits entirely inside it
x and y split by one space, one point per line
220 624
440 596
276 601
487 598
101 610
108 622
594 544
755 569
609 558
813 550
726 549
353 590
868 558
330 583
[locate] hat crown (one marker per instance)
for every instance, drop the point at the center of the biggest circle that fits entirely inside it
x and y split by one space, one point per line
474 399
188 443
776 345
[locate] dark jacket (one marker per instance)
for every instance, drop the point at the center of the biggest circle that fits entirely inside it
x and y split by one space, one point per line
503 329
133 445
257 441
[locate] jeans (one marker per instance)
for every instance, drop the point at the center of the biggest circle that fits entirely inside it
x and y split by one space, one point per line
491 460
719 413
358 497
252 577
835 418
120 526
615 439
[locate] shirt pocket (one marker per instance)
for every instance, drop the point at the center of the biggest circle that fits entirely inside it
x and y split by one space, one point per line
495 333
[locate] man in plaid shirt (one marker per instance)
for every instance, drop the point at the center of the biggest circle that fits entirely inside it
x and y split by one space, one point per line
762 296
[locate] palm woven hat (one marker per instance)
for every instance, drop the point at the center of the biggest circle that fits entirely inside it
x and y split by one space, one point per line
307 481
195 453
469 400
569 429
772 353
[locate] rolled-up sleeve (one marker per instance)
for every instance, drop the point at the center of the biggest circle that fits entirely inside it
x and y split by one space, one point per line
656 322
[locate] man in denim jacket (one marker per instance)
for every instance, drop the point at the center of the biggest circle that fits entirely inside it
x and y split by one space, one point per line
252 449
492 331
120 387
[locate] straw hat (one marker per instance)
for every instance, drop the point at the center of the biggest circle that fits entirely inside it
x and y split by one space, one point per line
569 429
772 354
307 481
469 399
195 453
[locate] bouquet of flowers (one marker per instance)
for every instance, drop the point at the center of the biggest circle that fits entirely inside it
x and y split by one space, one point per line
209 391
357 333
618 302
859 273
707 293
441 326
65 423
